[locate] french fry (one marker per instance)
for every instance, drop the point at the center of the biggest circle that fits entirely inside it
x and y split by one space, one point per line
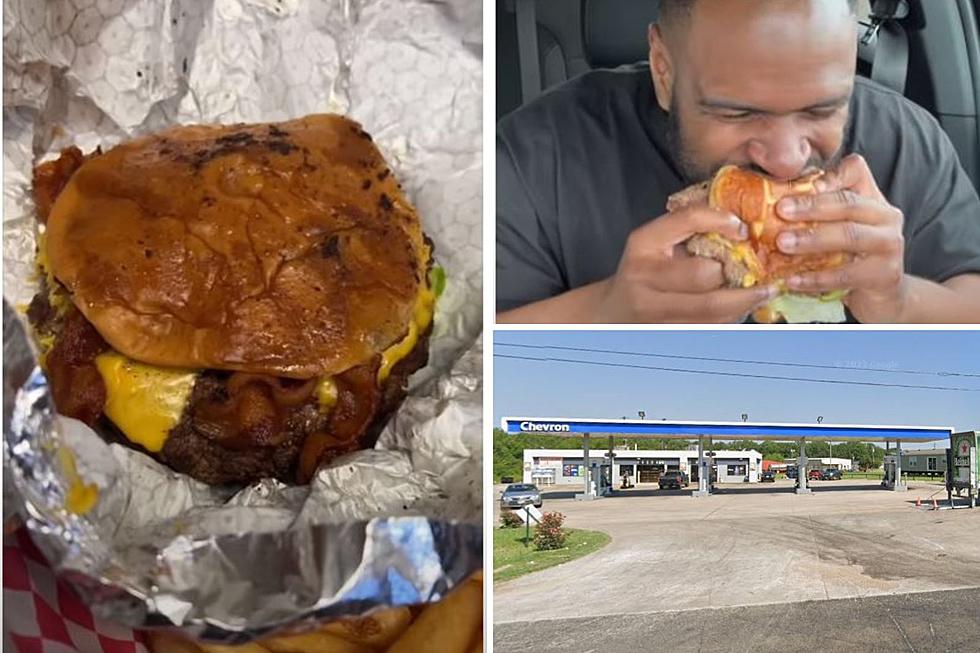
161 642
453 625
378 630
251 647
477 646
447 626
316 642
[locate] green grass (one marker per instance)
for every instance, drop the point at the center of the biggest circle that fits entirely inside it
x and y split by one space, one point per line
869 475
511 559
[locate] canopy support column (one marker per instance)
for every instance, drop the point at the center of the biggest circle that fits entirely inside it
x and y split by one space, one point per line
587 465
704 472
898 485
802 481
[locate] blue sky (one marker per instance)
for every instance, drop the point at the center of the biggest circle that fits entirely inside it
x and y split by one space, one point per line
553 389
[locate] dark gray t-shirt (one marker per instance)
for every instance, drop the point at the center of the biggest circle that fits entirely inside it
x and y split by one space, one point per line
585 164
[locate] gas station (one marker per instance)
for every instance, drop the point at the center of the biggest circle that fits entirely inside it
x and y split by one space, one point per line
707 432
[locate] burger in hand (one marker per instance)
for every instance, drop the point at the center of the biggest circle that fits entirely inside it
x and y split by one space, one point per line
752 197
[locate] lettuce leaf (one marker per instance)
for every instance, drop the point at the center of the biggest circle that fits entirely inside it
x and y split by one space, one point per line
805 309
437 280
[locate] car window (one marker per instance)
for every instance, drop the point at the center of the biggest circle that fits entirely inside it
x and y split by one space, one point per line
520 488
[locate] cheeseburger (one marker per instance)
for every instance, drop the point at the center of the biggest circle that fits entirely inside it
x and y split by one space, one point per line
240 302
752 198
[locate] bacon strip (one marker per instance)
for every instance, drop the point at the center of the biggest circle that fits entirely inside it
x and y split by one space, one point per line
358 401
50 179
76 385
254 413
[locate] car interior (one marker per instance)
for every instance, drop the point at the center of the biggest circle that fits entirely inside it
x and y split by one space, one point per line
928 50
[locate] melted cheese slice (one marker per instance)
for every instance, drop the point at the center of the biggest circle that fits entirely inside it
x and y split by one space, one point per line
326 392
144 401
81 496
425 304
742 252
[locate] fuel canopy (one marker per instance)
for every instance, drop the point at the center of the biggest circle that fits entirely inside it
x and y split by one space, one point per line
683 430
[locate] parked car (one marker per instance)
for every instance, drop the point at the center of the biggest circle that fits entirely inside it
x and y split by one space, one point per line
815 475
506 479
768 476
672 480
832 474
519 495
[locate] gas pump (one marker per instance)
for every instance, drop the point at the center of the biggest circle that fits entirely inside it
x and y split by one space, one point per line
890 468
602 477
608 480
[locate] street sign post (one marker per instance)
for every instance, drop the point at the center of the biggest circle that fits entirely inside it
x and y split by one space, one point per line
528 514
527 526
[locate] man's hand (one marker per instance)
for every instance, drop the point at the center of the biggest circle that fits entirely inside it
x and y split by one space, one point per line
853 216
658 281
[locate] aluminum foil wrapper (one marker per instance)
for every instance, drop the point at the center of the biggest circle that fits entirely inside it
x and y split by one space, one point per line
396 525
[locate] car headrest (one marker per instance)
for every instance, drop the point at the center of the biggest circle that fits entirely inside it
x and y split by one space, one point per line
615 31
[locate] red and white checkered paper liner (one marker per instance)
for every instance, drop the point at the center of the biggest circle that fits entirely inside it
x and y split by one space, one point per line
42 614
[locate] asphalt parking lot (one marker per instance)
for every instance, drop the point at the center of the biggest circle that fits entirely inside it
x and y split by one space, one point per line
851 550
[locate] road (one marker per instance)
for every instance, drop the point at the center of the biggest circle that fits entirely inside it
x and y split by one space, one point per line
918 623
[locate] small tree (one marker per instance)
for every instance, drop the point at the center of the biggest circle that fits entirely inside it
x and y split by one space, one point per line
549 534
510 519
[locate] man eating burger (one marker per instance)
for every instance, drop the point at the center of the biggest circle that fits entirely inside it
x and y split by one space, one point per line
767 90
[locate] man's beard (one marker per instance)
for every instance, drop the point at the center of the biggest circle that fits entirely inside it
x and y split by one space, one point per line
694 171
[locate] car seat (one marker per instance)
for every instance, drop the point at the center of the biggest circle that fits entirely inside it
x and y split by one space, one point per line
570 37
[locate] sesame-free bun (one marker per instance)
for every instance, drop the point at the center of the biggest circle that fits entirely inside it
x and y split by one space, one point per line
285 249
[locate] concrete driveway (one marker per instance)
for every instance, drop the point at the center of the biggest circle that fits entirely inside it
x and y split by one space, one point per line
748 546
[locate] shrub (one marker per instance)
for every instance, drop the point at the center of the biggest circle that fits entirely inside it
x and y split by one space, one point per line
549 534
510 519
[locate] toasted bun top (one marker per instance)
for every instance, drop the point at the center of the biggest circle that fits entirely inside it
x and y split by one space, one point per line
753 197
283 249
